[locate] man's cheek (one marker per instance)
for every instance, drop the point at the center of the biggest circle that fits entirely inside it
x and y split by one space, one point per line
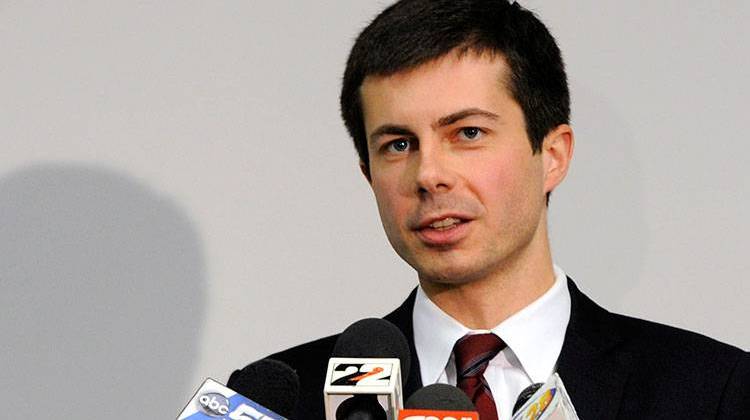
387 213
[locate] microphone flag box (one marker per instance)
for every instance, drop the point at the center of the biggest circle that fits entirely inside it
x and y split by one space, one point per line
550 402
347 377
214 401
420 414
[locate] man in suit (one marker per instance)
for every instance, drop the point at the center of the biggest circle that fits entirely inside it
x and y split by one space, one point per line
459 111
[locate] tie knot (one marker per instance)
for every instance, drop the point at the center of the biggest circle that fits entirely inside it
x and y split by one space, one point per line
473 353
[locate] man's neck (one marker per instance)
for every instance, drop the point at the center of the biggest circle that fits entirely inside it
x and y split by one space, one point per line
484 303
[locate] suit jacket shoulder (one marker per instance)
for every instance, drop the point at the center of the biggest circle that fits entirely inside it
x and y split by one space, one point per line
616 366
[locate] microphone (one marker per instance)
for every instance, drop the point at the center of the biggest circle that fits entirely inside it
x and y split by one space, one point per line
364 375
550 401
361 407
263 390
439 402
268 382
525 395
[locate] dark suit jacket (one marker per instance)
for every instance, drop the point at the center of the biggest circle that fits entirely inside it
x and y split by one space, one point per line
613 367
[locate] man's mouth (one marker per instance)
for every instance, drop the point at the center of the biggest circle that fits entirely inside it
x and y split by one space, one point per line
443 231
445 224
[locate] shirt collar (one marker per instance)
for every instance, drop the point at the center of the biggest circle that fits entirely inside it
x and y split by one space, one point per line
535 334
435 333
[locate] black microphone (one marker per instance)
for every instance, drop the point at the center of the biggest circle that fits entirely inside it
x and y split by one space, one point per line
440 397
270 383
374 338
263 390
361 407
370 359
525 395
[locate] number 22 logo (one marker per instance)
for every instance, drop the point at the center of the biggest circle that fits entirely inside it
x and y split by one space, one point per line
361 374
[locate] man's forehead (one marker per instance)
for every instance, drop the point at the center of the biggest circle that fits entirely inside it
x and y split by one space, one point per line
453 57
432 90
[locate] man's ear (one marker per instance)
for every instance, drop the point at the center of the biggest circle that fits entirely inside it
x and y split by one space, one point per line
557 152
365 171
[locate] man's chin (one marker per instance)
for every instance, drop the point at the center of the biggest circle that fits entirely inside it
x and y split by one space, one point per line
447 268
447 276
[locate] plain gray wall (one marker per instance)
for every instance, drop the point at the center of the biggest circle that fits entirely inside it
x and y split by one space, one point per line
177 184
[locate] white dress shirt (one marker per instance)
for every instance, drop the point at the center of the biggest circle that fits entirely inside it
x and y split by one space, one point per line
534 336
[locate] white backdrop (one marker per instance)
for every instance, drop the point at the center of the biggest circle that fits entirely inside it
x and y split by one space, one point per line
178 195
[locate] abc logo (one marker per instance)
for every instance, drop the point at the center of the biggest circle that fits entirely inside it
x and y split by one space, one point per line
213 404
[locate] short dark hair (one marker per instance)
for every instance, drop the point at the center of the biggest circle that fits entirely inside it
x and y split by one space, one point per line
413 32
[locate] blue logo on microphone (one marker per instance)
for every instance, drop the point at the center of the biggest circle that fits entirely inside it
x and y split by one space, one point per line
214 404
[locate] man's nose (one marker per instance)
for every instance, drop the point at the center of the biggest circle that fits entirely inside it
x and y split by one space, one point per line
433 170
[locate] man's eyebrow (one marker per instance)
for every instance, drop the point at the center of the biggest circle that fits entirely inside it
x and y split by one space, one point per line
390 129
464 113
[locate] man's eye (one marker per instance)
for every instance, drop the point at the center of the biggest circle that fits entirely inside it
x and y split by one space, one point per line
471 133
398 146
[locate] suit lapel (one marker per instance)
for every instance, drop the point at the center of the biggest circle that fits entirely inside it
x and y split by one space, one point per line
402 318
593 372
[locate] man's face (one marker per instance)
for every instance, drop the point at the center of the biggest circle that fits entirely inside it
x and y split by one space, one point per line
460 193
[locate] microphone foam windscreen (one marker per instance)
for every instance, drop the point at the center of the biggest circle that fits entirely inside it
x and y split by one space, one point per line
374 338
440 397
270 383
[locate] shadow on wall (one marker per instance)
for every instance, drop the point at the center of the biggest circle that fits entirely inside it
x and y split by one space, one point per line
103 295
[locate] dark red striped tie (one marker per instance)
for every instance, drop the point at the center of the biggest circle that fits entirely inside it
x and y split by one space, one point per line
472 354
